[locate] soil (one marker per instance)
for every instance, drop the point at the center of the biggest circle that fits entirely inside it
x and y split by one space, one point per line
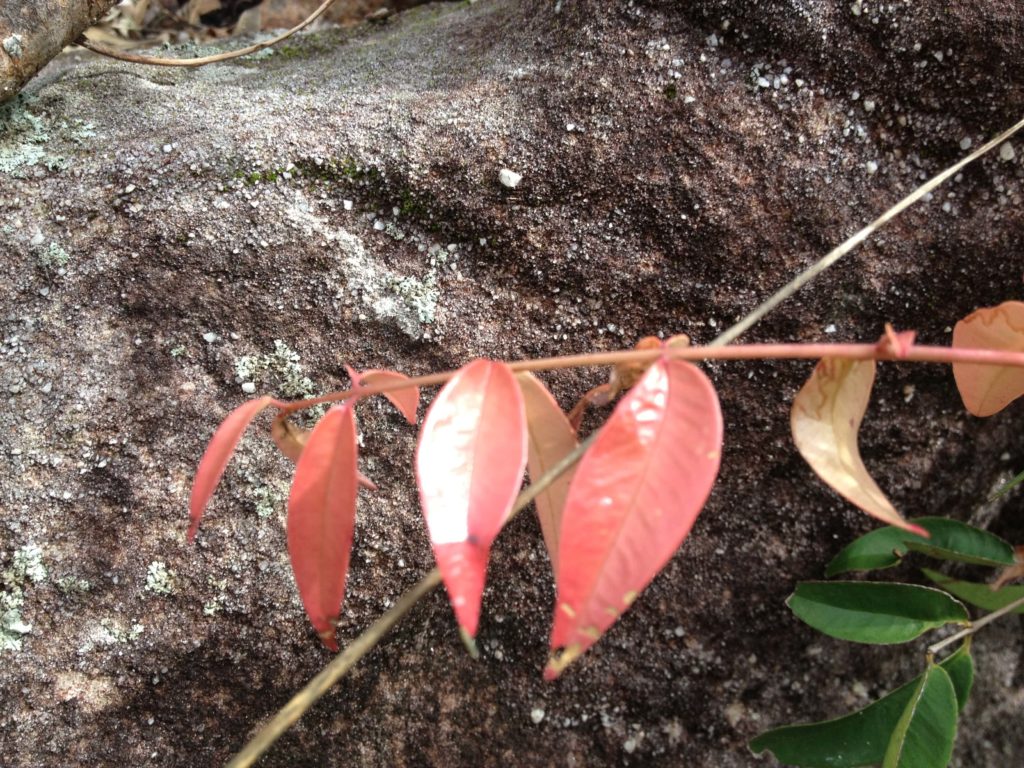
170 236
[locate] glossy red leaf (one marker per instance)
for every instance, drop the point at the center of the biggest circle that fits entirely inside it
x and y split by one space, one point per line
469 467
405 400
218 453
987 389
551 438
634 498
321 518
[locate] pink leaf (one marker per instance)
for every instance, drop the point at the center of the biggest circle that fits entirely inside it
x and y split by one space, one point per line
218 453
551 438
469 467
987 389
825 420
405 400
321 518
634 498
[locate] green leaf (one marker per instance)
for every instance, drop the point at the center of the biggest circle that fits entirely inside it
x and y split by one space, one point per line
860 738
950 540
980 595
923 737
874 612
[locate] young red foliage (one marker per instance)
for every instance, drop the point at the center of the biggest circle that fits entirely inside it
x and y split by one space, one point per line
218 453
405 400
321 518
634 498
469 467
551 438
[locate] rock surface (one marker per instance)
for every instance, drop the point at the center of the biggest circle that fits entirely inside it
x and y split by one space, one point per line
170 237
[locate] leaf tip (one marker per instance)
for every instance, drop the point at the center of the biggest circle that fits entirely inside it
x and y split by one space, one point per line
328 638
914 528
470 642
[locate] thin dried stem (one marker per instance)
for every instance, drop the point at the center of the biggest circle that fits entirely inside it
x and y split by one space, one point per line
975 626
844 248
200 61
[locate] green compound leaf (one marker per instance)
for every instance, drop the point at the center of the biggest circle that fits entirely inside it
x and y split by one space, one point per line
874 612
862 737
950 540
923 737
979 595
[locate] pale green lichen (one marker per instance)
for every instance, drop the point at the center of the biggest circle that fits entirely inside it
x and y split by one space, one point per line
268 498
53 256
22 136
178 351
419 295
26 568
215 605
73 585
159 579
280 370
111 632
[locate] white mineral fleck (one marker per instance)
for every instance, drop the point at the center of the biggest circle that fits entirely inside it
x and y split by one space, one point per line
965 142
347 204
871 166
537 715
509 178
248 387
1006 153
209 337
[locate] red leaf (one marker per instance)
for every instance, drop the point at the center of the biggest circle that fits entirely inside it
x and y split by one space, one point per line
987 389
551 438
321 518
218 453
405 400
469 467
634 498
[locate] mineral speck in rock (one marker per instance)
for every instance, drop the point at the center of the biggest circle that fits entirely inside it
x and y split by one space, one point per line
509 178
1006 153
537 715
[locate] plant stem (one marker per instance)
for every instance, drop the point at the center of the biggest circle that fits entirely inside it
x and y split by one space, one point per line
202 60
976 625
713 351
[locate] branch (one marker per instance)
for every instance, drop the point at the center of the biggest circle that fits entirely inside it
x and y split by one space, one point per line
844 248
202 60
975 626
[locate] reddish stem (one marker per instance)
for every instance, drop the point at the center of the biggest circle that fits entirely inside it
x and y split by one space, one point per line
915 354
